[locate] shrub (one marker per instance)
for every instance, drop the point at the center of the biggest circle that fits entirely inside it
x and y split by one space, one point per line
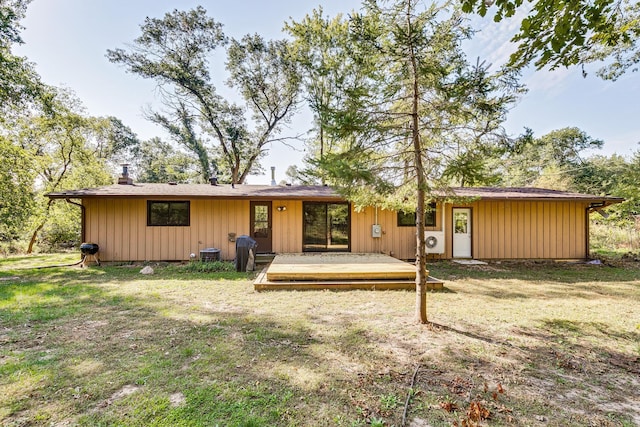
209 266
616 238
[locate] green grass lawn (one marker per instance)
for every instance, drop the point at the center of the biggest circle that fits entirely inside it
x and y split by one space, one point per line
508 344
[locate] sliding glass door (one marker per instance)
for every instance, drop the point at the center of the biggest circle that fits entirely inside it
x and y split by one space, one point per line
326 227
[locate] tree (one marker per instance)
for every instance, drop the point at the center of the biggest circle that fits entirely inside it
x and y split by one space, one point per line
158 161
175 50
549 161
319 47
181 129
414 103
16 189
19 83
612 175
567 33
67 150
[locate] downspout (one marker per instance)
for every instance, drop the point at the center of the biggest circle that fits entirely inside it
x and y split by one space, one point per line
83 216
588 209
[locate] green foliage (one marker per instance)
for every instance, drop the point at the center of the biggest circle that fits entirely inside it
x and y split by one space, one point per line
368 114
181 129
617 176
11 11
410 106
555 34
613 236
62 229
557 161
320 47
16 190
208 266
269 82
158 161
389 402
19 83
625 54
548 161
46 143
175 52
65 149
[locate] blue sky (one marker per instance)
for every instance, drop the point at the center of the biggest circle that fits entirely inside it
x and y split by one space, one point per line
68 39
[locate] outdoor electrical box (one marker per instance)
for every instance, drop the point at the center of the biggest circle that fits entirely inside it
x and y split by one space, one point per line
376 230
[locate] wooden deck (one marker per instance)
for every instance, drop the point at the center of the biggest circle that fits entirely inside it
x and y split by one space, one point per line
338 271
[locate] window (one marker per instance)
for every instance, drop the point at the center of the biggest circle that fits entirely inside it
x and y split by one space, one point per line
167 213
409 219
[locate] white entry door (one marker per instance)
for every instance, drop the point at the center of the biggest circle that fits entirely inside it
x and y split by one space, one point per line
461 232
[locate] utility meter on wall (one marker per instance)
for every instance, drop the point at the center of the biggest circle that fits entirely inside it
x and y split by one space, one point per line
376 230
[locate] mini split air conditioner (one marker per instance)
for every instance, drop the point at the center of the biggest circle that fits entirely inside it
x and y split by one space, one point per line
434 242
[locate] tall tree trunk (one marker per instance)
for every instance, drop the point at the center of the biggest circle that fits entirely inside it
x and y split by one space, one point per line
34 236
421 259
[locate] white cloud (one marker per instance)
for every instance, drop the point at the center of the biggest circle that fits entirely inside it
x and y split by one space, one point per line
492 41
552 82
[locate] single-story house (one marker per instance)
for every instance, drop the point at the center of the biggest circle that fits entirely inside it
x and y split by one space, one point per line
168 222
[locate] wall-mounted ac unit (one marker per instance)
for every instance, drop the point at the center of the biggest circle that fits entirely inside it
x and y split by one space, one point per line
434 242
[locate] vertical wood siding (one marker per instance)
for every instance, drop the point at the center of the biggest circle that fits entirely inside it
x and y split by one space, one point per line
119 227
399 242
501 230
287 226
529 230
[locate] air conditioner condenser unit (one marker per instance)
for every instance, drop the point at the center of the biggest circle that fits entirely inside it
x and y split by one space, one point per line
434 242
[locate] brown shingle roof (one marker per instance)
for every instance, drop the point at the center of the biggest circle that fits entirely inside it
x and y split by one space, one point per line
202 191
306 192
528 193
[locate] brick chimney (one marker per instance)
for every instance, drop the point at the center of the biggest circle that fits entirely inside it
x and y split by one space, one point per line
125 179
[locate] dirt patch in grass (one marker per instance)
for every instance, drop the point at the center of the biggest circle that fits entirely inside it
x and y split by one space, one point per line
126 390
509 344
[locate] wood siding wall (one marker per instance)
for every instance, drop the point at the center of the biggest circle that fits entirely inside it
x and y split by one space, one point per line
529 230
119 227
399 242
500 230
287 226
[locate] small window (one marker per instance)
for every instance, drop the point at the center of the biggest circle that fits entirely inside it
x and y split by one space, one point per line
164 213
406 219
409 219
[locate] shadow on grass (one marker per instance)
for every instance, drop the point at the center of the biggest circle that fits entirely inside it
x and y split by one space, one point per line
549 379
70 348
518 288
78 349
540 271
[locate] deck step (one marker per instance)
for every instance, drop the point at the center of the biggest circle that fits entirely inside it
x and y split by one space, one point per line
265 258
263 284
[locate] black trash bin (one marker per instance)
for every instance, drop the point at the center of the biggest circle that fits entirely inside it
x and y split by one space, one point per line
244 245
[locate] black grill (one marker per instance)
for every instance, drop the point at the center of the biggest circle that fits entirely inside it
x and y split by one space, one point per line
89 248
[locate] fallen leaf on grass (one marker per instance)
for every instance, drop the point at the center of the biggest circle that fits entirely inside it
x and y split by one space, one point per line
448 406
477 412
